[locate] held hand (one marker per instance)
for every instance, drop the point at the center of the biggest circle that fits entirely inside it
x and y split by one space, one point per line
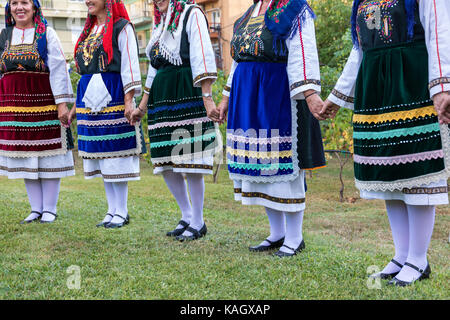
137 115
63 115
211 111
442 105
329 110
315 105
223 109
129 108
72 114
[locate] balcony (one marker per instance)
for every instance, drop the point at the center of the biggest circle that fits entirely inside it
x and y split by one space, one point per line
47 4
214 30
141 18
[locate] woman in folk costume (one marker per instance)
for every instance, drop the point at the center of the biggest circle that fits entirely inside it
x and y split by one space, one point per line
107 58
34 91
180 108
272 137
401 58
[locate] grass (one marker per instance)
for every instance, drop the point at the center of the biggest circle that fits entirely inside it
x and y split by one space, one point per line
140 262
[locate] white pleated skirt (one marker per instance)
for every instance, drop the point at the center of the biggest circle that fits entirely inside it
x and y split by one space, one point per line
112 169
282 196
432 194
51 167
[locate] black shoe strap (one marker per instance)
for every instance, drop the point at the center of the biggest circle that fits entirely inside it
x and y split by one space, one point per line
193 231
288 247
183 223
414 267
398 264
118 215
53 214
38 213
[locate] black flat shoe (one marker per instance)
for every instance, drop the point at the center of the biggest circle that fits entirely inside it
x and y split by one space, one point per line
103 224
272 245
111 225
53 214
196 234
35 219
424 274
178 232
387 276
283 254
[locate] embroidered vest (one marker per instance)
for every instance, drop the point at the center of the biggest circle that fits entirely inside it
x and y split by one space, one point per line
158 61
253 41
22 57
384 23
91 57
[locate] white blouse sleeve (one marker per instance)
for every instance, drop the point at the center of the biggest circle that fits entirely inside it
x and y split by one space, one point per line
150 77
227 89
59 75
303 60
202 58
130 70
344 92
435 17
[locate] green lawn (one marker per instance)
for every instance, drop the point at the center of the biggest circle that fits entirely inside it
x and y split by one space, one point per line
140 262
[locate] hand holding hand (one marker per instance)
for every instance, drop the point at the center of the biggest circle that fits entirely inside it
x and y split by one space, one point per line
315 105
138 114
442 105
223 109
63 114
211 110
329 110
129 108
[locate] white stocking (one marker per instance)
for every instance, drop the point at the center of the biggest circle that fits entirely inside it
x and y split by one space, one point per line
121 201
196 185
177 186
50 192
277 226
110 197
398 219
421 224
294 231
34 191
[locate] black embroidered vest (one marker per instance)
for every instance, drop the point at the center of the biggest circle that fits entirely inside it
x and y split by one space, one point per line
91 57
22 57
253 41
158 61
384 23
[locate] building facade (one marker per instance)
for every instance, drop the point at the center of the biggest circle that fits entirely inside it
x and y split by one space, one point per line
221 16
67 17
141 14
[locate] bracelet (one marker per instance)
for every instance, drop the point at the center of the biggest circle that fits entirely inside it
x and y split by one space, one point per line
139 107
309 95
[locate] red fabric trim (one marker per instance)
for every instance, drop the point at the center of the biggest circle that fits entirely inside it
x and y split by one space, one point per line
303 48
129 58
201 42
437 42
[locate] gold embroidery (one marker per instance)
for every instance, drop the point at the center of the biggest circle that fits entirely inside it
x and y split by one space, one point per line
29 109
395 116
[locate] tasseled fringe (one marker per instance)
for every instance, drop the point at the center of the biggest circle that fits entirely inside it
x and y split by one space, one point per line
410 8
173 58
